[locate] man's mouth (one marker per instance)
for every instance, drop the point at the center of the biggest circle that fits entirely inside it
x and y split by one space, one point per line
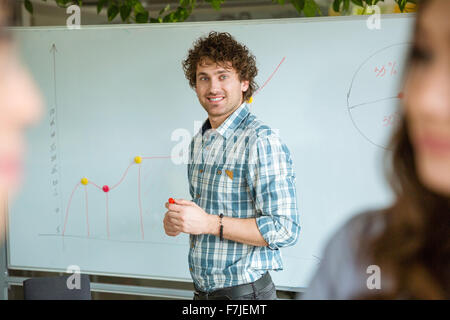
215 99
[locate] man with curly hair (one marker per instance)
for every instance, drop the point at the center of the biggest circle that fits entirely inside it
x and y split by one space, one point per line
241 180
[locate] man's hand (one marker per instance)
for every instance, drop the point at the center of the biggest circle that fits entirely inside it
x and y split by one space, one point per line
169 227
186 216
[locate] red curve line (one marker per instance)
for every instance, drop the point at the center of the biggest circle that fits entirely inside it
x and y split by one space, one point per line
113 187
126 172
100 188
267 81
87 210
140 201
123 177
161 157
68 206
107 215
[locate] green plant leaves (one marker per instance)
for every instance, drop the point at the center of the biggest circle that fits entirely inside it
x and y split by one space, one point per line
64 3
337 5
113 11
138 8
142 17
100 5
125 11
215 3
311 8
402 4
126 8
346 5
188 4
167 8
299 5
28 6
358 2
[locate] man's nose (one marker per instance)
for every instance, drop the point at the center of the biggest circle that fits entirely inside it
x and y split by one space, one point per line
214 86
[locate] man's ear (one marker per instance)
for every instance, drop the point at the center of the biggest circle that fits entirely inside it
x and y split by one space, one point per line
244 85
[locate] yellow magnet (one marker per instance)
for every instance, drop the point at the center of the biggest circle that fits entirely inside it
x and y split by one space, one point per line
250 100
84 181
138 159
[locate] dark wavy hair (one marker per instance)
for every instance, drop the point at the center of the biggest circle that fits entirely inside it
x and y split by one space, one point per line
413 252
221 48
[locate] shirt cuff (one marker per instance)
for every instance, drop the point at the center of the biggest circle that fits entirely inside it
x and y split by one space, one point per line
267 230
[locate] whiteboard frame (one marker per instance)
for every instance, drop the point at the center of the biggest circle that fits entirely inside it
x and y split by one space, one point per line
218 23
116 288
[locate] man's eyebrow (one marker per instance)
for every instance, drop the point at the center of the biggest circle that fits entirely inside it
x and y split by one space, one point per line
217 72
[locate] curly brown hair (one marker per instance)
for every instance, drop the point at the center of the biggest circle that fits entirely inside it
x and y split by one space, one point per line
222 48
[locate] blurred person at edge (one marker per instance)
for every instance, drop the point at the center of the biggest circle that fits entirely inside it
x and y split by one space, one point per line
20 106
406 246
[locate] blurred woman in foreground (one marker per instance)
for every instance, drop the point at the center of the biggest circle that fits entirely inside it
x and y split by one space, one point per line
403 252
20 106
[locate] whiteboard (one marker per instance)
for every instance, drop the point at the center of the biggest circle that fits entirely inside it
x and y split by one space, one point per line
329 85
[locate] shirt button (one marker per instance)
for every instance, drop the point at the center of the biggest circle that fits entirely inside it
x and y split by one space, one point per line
198 195
190 269
219 171
201 170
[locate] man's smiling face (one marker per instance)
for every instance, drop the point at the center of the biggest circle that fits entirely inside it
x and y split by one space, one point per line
219 89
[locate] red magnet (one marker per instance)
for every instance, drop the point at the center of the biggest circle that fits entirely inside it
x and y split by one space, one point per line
171 200
105 188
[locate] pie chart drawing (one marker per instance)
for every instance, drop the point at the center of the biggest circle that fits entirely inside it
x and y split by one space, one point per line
374 95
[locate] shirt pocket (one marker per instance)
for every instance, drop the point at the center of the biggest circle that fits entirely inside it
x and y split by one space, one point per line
237 201
218 184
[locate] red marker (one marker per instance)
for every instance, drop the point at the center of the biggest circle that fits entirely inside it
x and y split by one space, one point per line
171 200
105 188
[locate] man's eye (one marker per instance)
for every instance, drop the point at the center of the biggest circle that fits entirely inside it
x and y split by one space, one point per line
223 77
203 78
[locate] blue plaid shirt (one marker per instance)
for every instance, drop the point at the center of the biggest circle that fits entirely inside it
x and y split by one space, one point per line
243 170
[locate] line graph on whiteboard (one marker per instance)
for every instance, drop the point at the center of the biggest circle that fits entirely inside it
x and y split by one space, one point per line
124 211
85 182
127 210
